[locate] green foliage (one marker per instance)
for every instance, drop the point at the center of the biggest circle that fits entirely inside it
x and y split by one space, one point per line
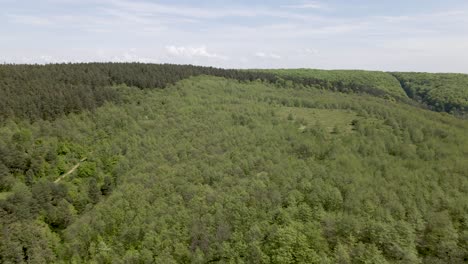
28 242
87 169
49 91
213 170
379 80
440 92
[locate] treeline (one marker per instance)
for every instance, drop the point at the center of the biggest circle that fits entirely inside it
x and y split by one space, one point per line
47 91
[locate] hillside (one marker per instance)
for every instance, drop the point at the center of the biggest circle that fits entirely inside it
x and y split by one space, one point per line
441 92
379 80
243 170
46 92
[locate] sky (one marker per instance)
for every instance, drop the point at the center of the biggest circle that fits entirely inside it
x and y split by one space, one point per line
397 35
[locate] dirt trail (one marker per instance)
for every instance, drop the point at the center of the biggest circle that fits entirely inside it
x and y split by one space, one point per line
70 171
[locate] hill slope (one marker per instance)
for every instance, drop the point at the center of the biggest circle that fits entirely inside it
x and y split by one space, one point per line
379 80
441 92
215 170
48 91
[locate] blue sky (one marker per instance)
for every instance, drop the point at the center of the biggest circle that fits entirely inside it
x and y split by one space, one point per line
411 35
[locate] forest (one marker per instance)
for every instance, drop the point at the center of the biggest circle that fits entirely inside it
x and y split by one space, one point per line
442 92
379 80
148 163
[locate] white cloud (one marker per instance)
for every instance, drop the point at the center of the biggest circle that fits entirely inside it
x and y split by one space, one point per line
267 55
311 51
29 20
132 56
44 59
306 5
191 52
424 40
47 59
148 8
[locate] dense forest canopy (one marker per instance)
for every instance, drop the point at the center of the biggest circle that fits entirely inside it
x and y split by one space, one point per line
442 92
446 92
47 91
379 80
97 165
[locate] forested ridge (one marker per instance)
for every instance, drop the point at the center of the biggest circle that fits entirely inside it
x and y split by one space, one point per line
175 166
443 92
378 80
47 91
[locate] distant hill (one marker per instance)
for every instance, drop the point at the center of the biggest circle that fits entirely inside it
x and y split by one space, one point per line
443 92
48 91
380 80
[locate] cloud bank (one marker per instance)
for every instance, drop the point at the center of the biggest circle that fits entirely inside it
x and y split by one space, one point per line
253 34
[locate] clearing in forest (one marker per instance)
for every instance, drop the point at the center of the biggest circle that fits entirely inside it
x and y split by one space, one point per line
328 118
